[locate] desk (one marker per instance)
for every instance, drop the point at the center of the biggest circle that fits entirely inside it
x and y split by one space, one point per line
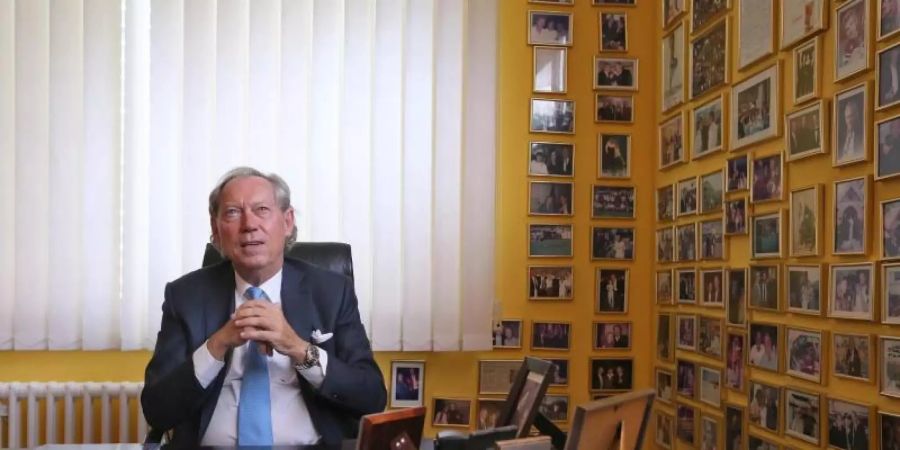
427 444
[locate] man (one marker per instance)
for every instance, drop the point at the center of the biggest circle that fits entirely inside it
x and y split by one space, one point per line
850 135
259 349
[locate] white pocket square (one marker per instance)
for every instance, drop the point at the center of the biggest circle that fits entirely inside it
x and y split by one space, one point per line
319 337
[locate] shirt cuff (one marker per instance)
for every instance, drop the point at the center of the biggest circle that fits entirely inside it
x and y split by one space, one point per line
316 375
206 366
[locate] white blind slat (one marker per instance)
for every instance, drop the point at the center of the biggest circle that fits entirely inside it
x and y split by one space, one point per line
231 36
264 84
7 171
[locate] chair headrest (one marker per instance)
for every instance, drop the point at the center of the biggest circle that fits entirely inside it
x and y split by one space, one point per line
333 256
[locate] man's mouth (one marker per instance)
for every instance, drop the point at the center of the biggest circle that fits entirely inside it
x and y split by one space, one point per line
251 244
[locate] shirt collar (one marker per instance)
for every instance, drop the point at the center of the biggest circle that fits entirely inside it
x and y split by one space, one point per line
272 286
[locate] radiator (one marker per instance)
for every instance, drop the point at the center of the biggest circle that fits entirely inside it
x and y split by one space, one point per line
21 420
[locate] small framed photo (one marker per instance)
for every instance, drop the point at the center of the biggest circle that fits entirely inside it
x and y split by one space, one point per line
802 415
850 212
407 383
887 148
734 427
614 160
890 430
549 240
672 58
551 335
757 442
612 243
613 2
736 216
807 131
766 236
890 293
805 224
672 10
707 137
755 108
687 285
549 74
612 290
561 376
735 354
801 19
552 116
852 356
550 282
554 2
550 198
764 291
551 159
686 424
614 108
687 196
665 245
712 240
888 77
889 363
756 31
804 357
888 18
764 341
848 425
612 335
768 179
806 71
850 295
555 407
709 60
613 32
736 303
765 407
665 382
665 203
710 437
890 229
704 12
495 377
711 386
851 116
671 142
852 47
615 73
508 333
451 412
685 378
664 287
664 337
613 202
686 242
709 337
687 332
713 291
665 428
804 289
550 28
612 374
737 172
488 411
712 191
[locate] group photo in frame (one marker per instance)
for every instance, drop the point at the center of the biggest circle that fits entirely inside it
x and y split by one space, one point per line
805 221
555 408
664 287
848 425
804 289
612 374
686 242
550 28
736 302
755 108
550 198
451 412
737 174
549 74
551 159
488 411
765 344
851 290
665 245
613 32
612 243
672 64
765 235
852 42
612 202
708 128
614 156
889 364
614 108
686 332
712 240
710 389
756 31
561 375
804 354
851 119
612 290
806 71
887 148
549 240
890 293
768 178
735 355
851 201
709 337
703 12
687 285
552 116
709 60
712 192
612 335
665 203
736 216
764 287
890 229
687 196
802 415
407 384
508 333
765 407
615 73
801 19
851 356
806 131
685 378
550 282
551 335
888 76
671 142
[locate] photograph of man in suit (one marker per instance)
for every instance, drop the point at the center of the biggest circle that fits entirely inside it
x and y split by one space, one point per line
850 133
259 349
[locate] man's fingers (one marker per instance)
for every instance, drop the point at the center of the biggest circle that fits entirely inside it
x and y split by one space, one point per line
254 321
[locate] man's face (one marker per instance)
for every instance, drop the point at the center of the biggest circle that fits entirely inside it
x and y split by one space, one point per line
850 114
250 228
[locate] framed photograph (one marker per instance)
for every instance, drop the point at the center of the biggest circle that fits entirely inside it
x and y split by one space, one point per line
736 216
551 159
851 50
764 291
735 355
712 240
756 31
806 71
554 2
804 224
664 287
686 417
551 335
712 191
709 59
889 363
549 240
550 198
800 19
685 378
755 106
709 337
736 308
612 243
765 406
672 10
766 236
665 428
561 376
615 73
686 242
804 357
703 12
614 108
807 131
664 337
552 116
508 333
550 70
555 408
613 32
710 436
851 117
764 343
611 374
713 291
756 442
665 203
687 332
850 212
707 137
802 415
888 77
890 229
852 356
768 178
613 202
672 56
664 385
890 430
612 290
550 282
614 160
687 196
407 383
804 289
850 296
488 411
495 377
734 427
890 293
711 386
888 18
671 142
687 285
848 425
613 2
887 148
550 28
612 335
451 412
737 173
665 245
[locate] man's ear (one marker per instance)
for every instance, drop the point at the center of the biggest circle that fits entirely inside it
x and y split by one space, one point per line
213 232
289 221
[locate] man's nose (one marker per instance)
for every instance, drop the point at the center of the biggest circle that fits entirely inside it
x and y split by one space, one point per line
249 221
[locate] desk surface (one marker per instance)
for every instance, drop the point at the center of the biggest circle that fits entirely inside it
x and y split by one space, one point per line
427 444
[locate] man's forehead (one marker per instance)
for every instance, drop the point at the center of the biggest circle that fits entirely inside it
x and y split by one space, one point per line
248 189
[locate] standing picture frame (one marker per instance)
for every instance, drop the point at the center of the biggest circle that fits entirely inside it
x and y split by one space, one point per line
849 216
800 19
852 39
806 71
756 32
805 221
672 64
709 60
755 108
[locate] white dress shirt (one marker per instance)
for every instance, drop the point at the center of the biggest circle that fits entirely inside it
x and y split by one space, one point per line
291 423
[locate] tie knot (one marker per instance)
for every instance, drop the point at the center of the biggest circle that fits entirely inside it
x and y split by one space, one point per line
255 293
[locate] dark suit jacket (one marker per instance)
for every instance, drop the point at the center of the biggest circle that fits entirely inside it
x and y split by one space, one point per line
199 303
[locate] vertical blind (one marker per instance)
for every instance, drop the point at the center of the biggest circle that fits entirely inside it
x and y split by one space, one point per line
117 118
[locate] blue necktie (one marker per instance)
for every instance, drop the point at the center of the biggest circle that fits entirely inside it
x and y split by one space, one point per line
254 412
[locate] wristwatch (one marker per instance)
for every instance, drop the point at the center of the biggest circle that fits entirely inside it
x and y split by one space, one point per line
311 360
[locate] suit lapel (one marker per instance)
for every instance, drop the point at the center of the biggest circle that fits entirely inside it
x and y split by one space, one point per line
217 310
296 302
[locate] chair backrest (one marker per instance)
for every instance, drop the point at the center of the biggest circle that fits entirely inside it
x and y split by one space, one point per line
333 256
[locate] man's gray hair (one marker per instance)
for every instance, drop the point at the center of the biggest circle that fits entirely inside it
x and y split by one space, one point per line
282 194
